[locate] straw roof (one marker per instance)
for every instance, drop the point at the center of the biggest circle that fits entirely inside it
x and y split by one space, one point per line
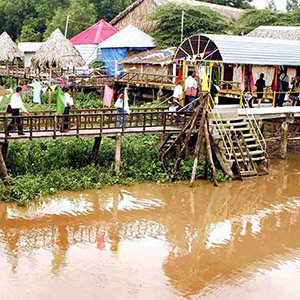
230 13
8 49
57 52
151 57
277 32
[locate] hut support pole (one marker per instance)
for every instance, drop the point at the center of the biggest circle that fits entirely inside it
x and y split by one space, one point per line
3 168
95 151
284 132
118 152
209 153
198 148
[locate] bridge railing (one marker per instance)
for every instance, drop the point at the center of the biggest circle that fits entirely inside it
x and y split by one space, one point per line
90 124
90 111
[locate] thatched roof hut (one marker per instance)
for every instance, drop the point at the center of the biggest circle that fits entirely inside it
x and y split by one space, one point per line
277 32
58 53
138 13
8 49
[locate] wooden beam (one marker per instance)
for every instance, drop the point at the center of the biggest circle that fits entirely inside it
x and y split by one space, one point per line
284 132
3 168
118 152
96 147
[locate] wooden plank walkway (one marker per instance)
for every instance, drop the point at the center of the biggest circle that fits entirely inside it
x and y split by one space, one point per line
41 127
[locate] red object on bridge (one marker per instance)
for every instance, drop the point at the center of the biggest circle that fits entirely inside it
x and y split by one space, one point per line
95 34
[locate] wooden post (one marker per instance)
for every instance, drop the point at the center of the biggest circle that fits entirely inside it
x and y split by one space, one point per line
209 153
118 152
284 132
4 150
95 151
3 168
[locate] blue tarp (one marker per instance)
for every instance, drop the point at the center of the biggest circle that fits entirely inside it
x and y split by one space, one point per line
110 56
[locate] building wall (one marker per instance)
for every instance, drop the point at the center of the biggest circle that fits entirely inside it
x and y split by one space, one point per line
152 69
139 17
88 52
27 59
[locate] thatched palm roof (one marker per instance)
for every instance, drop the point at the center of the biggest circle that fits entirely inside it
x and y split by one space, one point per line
8 49
230 13
57 52
277 32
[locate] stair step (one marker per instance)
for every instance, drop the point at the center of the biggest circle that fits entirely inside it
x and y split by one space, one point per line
249 173
251 153
246 159
248 146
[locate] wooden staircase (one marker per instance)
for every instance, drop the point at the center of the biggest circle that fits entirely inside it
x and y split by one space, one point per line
241 147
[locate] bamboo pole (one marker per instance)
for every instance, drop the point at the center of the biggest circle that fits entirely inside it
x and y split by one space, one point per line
209 153
118 152
198 148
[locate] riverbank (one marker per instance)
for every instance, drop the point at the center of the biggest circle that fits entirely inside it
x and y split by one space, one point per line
41 168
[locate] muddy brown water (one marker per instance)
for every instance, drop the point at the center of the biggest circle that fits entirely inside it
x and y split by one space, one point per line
148 241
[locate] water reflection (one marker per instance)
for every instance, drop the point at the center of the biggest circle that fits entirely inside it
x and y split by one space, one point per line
187 242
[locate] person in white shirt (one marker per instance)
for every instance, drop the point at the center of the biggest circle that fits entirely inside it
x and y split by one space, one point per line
177 94
191 86
16 104
69 102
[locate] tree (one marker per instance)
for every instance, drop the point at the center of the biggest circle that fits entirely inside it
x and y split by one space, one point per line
82 14
272 5
292 4
233 3
198 19
108 9
254 18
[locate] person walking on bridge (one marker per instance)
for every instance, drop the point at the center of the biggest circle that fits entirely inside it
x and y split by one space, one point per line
69 102
16 104
191 86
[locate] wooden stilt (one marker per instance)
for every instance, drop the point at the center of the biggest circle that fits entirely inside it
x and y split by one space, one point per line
209 153
3 168
4 150
197 149
284 132
95 151
118 152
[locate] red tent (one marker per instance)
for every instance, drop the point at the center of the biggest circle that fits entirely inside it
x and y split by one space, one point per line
95 34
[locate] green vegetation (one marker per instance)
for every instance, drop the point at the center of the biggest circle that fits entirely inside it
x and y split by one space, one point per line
198 19
33 20
41 168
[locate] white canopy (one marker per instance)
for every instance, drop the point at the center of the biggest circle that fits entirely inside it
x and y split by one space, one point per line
129 37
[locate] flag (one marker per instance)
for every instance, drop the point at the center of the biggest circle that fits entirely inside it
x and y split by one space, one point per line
60 101
179 76
205 87
126 100
108 95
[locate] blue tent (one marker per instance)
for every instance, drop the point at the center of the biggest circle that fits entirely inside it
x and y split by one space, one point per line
115 48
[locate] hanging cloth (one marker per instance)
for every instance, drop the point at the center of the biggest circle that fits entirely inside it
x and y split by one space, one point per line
126 100
37 87
108 95
60 101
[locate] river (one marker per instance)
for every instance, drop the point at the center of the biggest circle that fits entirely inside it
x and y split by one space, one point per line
149 241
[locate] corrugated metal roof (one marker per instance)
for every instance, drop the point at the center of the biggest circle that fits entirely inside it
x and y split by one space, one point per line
129 37
151 57
243 50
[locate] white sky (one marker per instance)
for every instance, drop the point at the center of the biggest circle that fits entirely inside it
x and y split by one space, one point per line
281 4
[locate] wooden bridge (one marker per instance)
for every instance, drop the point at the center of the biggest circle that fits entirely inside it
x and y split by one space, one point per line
94 123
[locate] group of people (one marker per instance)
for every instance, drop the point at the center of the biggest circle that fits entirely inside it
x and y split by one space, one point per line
191 93
16 104
281 87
